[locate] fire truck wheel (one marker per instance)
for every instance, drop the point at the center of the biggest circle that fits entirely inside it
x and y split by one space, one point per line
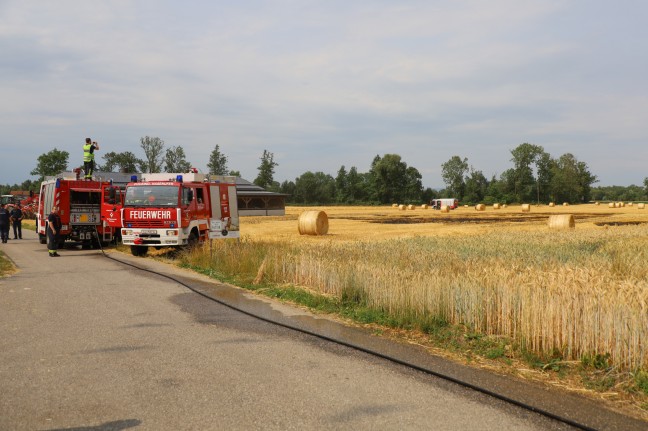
193 239
42 238
139 250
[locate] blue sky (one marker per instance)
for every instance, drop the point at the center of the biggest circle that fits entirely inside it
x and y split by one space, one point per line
321 84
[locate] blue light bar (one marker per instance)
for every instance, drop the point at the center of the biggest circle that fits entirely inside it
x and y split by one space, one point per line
179 178
58 183
133 178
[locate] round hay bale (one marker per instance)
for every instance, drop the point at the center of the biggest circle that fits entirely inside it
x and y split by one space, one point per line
551 204
562 221
526 208
641 206
411 207
480 207
504 206
401 207
313 223
424 206
629 204
565 204
394 205
611 205
465 206
597 203
445 209
496 206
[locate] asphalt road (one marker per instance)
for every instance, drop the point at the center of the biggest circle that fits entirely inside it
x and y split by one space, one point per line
91 344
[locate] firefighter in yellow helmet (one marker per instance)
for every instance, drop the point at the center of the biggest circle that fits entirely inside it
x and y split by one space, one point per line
88 157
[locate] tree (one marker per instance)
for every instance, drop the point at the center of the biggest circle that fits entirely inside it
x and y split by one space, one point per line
585 180
476 187
524 157
571 181
153 151
544 165
175 160
314 188
235 173
124 162
393 181
288 188
358 186
217 162
266 170
51 163
413 187
341 185
453 172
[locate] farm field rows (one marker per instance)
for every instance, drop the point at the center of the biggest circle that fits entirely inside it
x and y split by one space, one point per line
385 222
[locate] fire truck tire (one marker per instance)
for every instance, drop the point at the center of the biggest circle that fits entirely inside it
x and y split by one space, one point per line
193 239
139 250
42 238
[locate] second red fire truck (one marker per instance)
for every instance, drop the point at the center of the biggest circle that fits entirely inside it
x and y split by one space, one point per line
175 210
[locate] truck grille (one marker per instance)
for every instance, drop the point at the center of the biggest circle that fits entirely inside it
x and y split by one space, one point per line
147 224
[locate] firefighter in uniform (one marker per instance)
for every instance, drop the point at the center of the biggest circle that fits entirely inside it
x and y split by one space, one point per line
16 219
53 228
4 223
88 157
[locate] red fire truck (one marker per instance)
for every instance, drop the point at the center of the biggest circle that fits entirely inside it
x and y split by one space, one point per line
175 210
89 210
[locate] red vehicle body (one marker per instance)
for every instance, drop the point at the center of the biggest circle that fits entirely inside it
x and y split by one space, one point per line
176 210
28 202
85 208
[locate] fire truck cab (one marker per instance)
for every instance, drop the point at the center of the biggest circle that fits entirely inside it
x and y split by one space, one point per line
178 210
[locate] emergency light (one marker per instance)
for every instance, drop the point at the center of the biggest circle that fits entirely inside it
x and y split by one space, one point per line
58 183
133 178
179 178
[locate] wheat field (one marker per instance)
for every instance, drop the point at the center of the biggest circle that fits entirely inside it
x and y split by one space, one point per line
501 272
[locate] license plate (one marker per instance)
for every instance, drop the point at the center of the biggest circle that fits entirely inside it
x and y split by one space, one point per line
148 231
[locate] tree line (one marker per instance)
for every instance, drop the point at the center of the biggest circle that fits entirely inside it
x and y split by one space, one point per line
534 177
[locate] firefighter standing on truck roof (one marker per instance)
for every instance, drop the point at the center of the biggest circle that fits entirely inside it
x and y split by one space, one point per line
88 157
53 228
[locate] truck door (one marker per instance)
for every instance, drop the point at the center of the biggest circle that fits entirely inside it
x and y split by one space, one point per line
112 201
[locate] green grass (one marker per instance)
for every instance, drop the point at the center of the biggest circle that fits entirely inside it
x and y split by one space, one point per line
6 266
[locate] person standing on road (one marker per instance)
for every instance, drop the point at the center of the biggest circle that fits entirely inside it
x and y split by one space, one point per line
53 228
88 157
4 223
16 218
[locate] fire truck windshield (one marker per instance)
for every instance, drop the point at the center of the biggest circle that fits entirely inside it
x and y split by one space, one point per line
152 196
